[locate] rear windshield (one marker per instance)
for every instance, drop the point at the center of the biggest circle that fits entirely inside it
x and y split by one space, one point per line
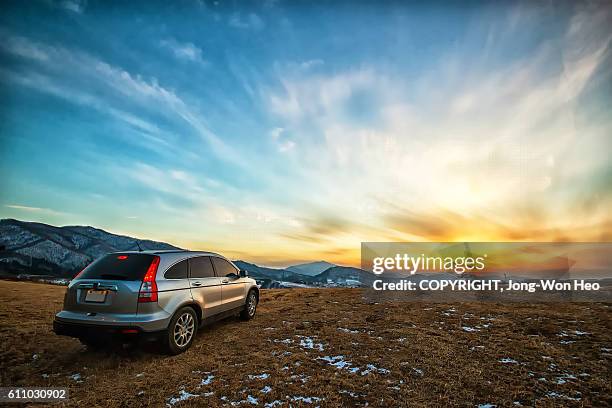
129 267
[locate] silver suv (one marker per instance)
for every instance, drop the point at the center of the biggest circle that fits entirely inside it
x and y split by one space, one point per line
160 295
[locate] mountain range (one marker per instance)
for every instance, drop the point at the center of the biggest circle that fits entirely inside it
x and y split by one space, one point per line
311 268
33 249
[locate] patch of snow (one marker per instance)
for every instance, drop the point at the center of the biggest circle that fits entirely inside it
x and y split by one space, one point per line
351 393
262 376
302 377
508 361
345 330
487 405
563 379
266 389
573 333
183 396
336 361
373 368
76 377
273 403
309 343
469 329
140 375
306 400
207 380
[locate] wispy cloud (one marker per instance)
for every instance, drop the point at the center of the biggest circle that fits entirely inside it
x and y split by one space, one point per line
249 21
75 6
30 209
69 64
183 51
319 95
280 137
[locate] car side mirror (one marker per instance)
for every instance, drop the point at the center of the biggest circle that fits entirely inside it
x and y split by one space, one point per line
243 273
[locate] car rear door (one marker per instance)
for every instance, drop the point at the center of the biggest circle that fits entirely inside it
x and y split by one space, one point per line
205 286
234 288
173 287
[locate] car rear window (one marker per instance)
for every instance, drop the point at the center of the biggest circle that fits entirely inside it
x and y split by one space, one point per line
129 267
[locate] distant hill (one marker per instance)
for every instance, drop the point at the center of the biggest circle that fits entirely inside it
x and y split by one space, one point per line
345 275
35 250
42 249
256 272
310 268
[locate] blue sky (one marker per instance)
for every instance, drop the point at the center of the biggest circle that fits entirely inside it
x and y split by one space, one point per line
288 131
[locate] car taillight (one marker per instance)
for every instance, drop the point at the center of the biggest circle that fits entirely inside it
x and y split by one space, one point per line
148 288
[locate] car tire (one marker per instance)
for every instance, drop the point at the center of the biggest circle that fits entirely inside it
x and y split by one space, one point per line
181 331
250 306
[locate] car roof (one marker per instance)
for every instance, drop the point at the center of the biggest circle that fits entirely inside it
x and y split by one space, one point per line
168 251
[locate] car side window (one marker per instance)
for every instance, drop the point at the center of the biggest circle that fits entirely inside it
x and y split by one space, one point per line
179 270
223 268
201 267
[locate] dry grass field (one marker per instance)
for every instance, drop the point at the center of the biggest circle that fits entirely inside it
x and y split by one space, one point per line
327 347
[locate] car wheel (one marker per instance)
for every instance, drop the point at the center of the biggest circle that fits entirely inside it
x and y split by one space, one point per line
181 331
250 307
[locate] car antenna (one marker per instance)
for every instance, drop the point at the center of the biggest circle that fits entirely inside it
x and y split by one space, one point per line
139 248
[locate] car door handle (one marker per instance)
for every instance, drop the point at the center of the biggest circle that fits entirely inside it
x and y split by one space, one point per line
196 283
225 281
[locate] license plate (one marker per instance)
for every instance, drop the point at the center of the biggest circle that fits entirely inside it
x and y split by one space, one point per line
98 296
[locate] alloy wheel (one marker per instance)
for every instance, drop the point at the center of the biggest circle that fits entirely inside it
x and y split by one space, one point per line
252 304
183 329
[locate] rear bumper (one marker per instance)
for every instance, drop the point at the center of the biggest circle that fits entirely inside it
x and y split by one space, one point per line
82 330
150 322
